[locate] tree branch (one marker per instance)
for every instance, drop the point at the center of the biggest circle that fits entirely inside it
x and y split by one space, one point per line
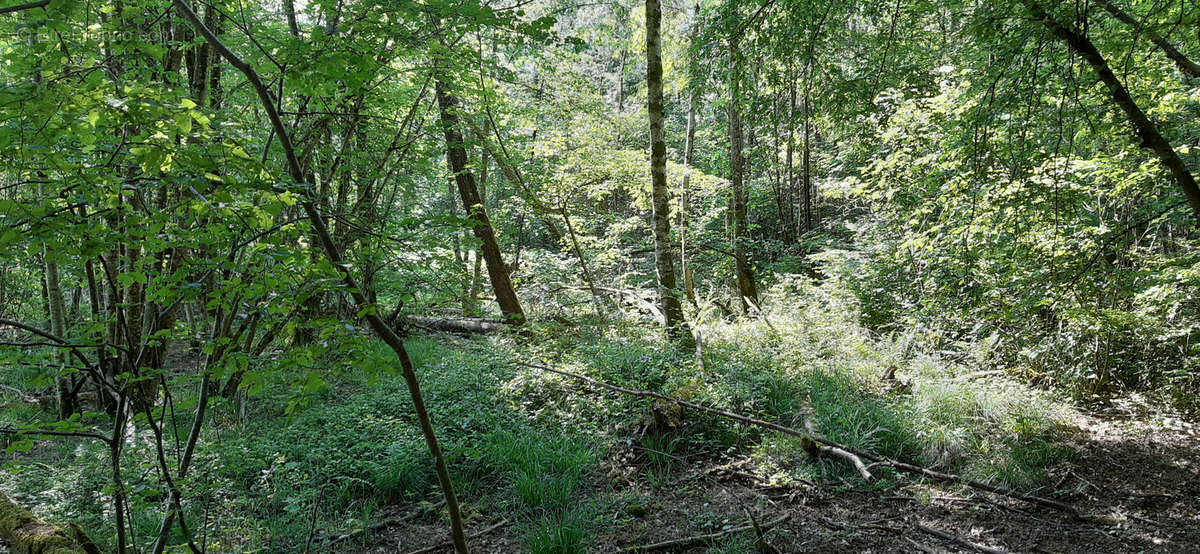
334 255
26 6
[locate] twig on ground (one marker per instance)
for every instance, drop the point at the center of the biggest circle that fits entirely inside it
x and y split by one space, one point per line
879 460
448 544
815 450
960 541
924 548
696 540
380 524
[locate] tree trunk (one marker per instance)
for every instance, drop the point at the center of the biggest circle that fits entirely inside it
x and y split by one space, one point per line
806 162
689 146
1186 66
1142 126
62 386
456 158
295 171
663 256
791 169
26 533
745 278
52 294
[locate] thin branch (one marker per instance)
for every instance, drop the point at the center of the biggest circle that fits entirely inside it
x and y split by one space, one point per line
51 336
961 541
878 459
82 434
23 7
701 540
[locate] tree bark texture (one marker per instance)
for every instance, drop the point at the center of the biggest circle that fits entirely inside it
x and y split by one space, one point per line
456 158
663 252
745 278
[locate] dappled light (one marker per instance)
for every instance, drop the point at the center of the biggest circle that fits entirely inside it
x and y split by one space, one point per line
558 277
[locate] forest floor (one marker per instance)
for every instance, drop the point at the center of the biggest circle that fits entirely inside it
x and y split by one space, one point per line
322 452
1137 477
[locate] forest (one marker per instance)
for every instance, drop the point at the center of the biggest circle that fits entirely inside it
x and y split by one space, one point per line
566 276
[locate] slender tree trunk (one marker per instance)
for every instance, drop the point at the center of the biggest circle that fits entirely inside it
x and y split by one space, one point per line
456 158
1185 65
689 147
788 159
456 244
510 171
778 174
587 272
289 10
806 162
58 325
385 332
1142 126
746 290
663 256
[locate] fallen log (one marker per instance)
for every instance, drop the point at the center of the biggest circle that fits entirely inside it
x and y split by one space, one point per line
457 325
26 534
876 459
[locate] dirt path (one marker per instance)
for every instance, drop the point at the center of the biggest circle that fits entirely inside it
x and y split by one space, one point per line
1138 482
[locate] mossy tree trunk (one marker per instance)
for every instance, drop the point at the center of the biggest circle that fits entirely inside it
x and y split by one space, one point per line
664 264
26 534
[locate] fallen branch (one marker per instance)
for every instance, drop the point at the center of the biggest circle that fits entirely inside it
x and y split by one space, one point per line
977 375
816 450
697 540
334 539
448 544
960 541
875 458
458 325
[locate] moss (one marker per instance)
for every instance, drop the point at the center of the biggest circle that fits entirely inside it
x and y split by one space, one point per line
29 535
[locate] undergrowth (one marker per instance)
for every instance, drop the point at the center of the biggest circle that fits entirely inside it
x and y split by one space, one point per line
534 447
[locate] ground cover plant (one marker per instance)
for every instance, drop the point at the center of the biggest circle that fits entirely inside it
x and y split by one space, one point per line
564 276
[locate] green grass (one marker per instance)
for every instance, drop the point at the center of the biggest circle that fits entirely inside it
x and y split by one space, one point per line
565 532
326 458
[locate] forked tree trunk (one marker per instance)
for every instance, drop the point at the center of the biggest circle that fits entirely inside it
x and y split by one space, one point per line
456 158
664 264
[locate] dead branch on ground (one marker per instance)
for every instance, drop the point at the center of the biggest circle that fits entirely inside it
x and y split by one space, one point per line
877 460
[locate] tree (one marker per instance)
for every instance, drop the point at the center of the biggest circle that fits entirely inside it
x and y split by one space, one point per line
1143 127
369 310
456 159
747 291
664 255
